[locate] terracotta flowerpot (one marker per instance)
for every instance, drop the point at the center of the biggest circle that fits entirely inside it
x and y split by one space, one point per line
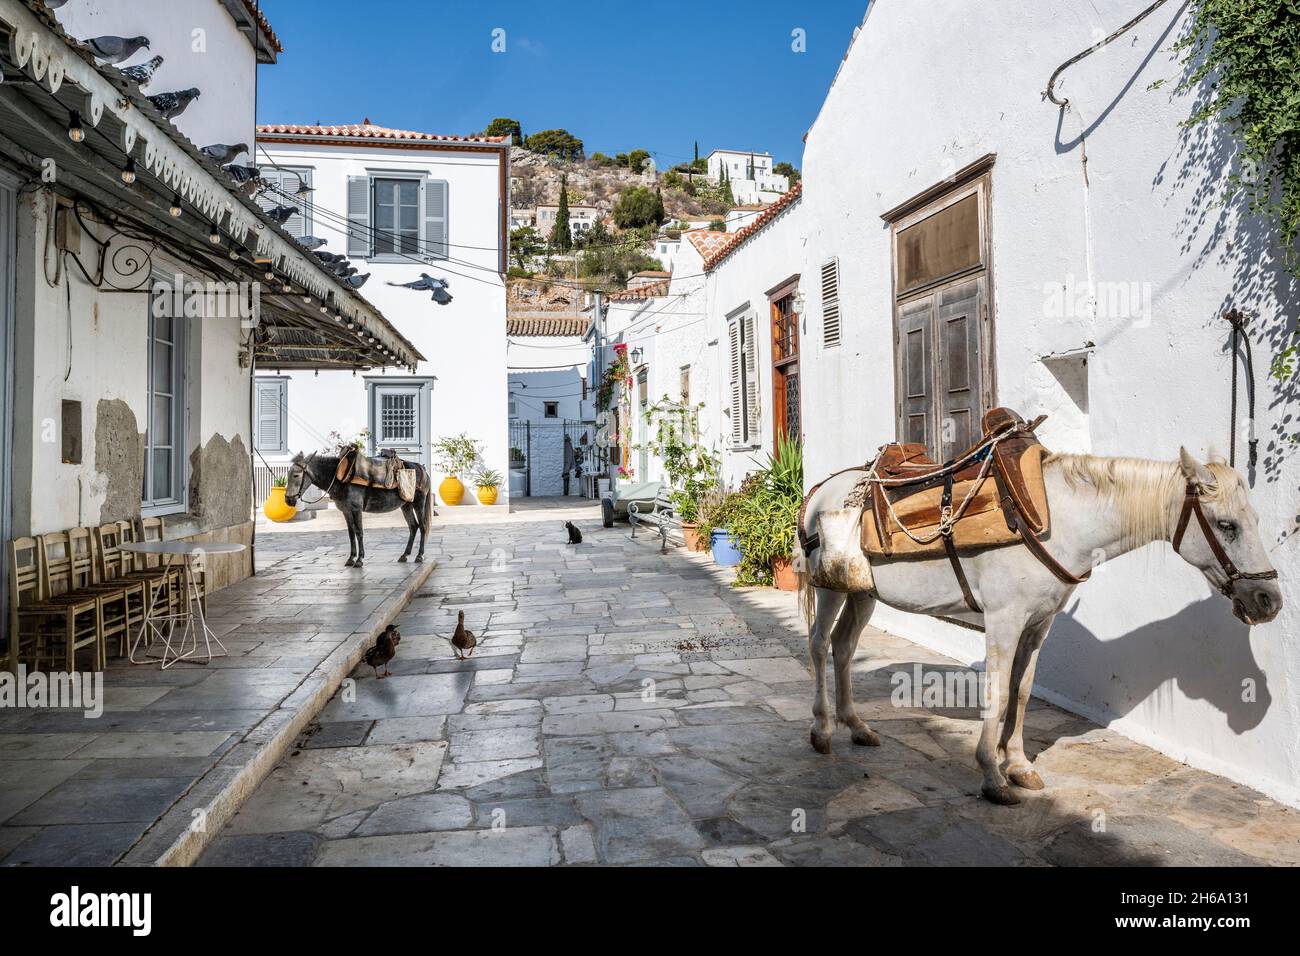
784 575
451 491
276 508
691 537
487 494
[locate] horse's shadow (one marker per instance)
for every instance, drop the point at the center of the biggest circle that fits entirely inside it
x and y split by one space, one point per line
1202 651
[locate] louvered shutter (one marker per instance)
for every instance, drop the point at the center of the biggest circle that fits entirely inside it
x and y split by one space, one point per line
831 303
359 244
958 344
753 416
271 419
435 218
281 190
737 403
915 373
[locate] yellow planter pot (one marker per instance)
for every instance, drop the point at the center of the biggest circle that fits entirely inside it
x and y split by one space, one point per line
487 494
451 491
275 507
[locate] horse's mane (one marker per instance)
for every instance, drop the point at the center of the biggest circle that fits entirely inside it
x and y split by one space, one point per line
1147 494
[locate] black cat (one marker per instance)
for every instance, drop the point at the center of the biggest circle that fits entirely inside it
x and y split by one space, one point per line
575 536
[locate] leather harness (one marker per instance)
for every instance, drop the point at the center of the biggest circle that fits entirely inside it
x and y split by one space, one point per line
1192 505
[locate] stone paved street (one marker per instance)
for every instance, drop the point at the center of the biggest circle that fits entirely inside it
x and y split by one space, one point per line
625 707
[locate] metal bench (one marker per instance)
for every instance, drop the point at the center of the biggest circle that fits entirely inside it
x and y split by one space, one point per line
661 515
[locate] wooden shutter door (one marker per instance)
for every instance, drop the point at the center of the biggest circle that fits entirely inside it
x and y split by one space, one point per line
914 352
753 416
737 404
435 218
270 420
960 368
830 303
359 244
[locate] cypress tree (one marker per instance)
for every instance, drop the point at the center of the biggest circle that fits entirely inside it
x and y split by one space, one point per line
561 236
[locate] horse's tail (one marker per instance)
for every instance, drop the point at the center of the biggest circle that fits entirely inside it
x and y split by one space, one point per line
428 498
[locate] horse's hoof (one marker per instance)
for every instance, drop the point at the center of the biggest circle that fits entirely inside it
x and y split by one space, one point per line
349 563
1026 779
866 737
1003 796
402 559
358 563
419 559
820 742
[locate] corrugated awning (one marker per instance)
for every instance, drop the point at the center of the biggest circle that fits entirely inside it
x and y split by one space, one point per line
306 311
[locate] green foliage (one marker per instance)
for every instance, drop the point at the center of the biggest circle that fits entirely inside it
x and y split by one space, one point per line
518 272
638 206
600 159
787 170
456 454
673 179
559 143
718 225
617 260
504 126
764 517
525 245
280 481
487 478
561 235
692 469
1249 53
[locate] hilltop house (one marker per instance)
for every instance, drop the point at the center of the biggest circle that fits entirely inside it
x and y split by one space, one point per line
581 218
134 308
399 203
749 173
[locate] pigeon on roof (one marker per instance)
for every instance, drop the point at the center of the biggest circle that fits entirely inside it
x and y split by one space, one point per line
311 243
172 105
356 282
282 214
221 153
142 73
113 49
427 283
326 257
241 174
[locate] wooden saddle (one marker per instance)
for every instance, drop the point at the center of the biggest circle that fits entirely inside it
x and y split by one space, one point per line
387 472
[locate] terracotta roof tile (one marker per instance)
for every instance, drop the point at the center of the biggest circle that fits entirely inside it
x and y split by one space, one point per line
714 257
369 131
651 290
708 242
264 25
538 325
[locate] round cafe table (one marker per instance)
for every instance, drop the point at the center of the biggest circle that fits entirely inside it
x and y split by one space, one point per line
163 625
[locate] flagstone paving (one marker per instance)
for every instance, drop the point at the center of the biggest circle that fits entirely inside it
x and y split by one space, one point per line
628 707
96 791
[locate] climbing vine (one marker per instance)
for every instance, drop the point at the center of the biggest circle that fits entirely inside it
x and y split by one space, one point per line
1248 52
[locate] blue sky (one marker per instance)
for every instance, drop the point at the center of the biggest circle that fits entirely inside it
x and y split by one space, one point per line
618 74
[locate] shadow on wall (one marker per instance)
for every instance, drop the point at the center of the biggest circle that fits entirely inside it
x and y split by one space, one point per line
1202 650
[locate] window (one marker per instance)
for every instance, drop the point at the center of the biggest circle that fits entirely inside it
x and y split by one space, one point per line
163 488
397 417
396 217
742 334
271 429
786 419
831 303
285 188
686 386
942 328
551 409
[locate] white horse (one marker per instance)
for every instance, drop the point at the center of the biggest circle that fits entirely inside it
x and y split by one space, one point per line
1100 508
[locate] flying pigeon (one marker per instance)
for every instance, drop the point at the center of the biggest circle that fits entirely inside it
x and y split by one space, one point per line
113 49
142 73
282 214
356 282
427 283
55 4
172 105
221 154
311 242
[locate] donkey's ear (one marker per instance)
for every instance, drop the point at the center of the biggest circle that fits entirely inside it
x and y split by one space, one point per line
1194 472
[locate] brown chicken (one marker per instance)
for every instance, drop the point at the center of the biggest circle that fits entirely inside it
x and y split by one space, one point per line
464 641
385 650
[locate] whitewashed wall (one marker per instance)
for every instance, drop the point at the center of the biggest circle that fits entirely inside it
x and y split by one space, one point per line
464 342
218 59
1145 646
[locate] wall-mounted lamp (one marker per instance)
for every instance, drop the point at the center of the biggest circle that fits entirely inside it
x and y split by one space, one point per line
798 303
637 355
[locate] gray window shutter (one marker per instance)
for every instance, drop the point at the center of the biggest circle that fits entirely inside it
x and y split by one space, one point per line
435 218
271 418
753 418
914 351
830 302
960 369
737 402
282 189
359 244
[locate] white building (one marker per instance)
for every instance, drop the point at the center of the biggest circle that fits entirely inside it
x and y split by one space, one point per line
749 173
581 218
551 403
118 402
398 204
664 248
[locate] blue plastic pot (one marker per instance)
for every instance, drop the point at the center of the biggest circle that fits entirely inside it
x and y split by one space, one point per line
726 548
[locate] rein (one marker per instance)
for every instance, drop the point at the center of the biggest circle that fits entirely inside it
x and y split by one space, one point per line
325 493
1192 505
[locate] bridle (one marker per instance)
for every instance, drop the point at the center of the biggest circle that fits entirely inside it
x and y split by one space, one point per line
325 493
1192 505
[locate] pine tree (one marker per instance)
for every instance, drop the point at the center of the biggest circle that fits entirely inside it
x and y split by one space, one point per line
561 236
660 213
697 151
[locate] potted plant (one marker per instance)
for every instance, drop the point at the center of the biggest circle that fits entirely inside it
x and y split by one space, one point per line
764 519
691 468
716 514
275 507
454 455
488 481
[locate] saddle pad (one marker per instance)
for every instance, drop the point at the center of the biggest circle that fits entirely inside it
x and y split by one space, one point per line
406 484
982 525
